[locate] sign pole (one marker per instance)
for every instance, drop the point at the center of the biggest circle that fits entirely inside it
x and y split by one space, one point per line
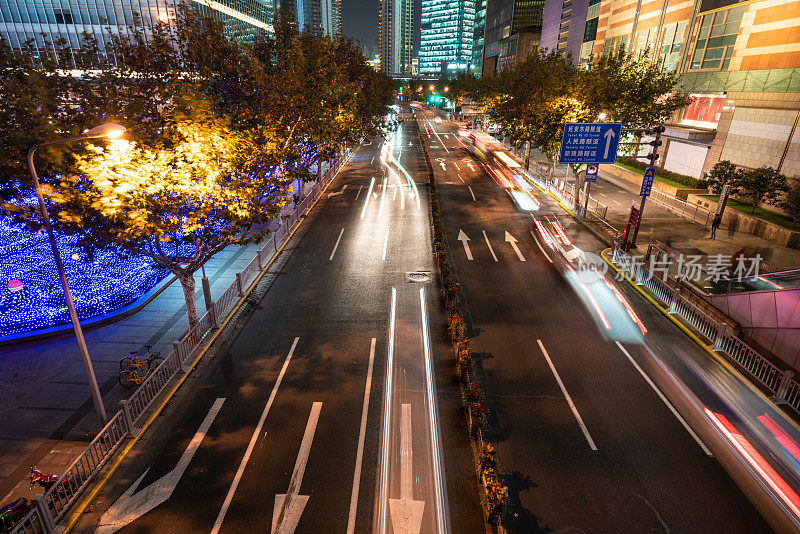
653 156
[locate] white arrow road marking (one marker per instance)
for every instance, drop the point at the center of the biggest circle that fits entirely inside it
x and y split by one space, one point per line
290 505
463 238
440 140
130 506
252 444
410 143
471 167
566 396
609 135
489 245
457 167
442 165
362 433
513 240
338 192
471 193
406 513
367 144
336 245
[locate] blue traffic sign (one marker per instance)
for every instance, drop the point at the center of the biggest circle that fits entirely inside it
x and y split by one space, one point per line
647 181
586 142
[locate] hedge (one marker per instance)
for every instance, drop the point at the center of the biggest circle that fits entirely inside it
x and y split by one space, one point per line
682 179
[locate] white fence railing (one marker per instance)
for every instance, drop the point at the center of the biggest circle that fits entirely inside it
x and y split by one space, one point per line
54 504
780 383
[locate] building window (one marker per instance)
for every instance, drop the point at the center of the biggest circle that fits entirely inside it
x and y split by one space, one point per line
614 44
564 25
563 35
561 46
670 48
566 3
566 14
505 32
716 38
63 17
593 12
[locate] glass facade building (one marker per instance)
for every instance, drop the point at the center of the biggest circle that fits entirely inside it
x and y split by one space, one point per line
395 36
446 36
42 23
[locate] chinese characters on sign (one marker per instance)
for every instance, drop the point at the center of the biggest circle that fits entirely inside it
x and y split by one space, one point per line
590 142
692 268
647 181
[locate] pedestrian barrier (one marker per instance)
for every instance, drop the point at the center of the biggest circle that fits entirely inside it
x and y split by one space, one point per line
55 503
719 335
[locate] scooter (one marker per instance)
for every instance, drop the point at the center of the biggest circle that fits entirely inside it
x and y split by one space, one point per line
45 481
12 513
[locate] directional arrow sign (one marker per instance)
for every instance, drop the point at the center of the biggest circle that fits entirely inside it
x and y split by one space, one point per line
471 167
410 143
513 240
290 505
130 506
463 238
583 142
442 165
609 135
338 192
406 513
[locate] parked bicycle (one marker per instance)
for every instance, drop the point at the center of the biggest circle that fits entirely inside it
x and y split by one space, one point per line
134 370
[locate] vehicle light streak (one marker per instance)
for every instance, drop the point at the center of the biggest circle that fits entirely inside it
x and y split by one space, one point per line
506 159
387 407
545 235
780 436
369 195
624 302
383 196
591 298
441 516
756 461
560 232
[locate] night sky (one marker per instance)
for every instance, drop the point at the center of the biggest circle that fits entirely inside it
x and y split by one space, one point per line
360 21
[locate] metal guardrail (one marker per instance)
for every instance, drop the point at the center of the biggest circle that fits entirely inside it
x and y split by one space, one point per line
778 382
49 509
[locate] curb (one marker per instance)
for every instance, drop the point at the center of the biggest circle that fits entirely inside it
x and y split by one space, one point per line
75 515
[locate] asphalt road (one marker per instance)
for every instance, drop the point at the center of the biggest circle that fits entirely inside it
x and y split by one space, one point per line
347 310
612 457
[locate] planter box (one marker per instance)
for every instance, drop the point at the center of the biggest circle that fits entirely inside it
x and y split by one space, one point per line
752 225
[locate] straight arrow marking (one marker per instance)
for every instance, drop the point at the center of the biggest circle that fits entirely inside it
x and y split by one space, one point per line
130 506
513 240
406 513
463 238
289 505
471 167
252 444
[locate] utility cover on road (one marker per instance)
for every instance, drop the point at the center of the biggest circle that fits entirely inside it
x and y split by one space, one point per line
586 142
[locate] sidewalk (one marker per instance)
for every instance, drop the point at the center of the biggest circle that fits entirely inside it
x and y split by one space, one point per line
48 415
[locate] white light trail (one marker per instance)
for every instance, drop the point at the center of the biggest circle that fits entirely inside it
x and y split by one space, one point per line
369 194
387 407
383 196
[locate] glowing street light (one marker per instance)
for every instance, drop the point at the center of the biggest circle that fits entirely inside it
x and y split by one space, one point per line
112 131
446 89
602 116
431 87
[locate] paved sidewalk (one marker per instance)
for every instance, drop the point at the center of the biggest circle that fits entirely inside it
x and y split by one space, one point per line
48 415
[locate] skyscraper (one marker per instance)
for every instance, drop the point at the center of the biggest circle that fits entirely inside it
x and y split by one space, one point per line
395 34
513 29
477 37
563 25
446 36
319 16
43 23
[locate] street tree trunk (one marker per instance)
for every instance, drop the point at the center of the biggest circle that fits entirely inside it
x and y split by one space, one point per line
187 283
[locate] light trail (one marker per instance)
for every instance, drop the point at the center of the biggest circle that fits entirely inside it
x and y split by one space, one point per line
385 244
441 516
387 407
369 194
383 196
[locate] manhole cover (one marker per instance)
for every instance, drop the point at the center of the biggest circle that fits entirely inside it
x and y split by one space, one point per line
418 277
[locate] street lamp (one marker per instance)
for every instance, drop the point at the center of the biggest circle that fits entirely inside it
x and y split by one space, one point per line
602 116
112 131
446 89
431 88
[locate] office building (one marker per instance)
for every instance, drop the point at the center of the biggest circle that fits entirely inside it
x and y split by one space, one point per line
477 37
740 62
43 23
395 35
446 37
513 32
322 17
563 26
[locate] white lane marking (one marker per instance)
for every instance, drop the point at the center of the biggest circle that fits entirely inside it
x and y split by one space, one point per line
457 167
540 247
130 506
489 245
462 180
290 505
664 399
463 238
617 202
440 139
383 195
385 244
471 193
362 433
257 432
387 410
336 245
372 160
369 194
513 241
566 396
359 192
406 513
433 418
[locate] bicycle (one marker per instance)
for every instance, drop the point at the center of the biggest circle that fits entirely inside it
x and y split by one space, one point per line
132 367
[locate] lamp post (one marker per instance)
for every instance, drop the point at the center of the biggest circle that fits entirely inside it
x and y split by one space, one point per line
106 130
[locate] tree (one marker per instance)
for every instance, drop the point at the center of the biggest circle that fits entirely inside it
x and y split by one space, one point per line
791 204
724 173
761 185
